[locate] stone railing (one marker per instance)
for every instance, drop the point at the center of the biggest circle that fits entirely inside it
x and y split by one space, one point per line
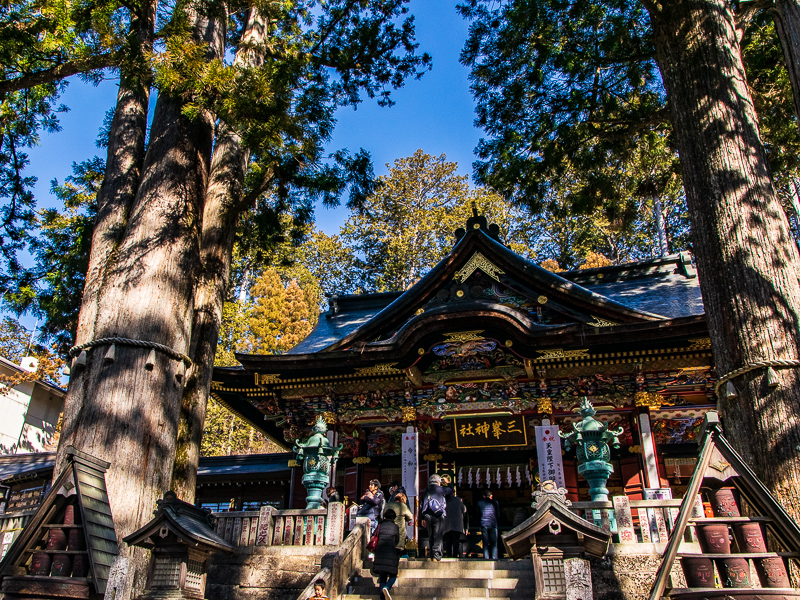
339 566
272 527
637 521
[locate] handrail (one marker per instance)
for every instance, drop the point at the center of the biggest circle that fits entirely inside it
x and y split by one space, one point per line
339 566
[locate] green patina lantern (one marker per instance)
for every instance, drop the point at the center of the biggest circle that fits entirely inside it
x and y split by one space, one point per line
318 456
591 439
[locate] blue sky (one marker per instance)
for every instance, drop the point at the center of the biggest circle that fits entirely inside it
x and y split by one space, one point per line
434 114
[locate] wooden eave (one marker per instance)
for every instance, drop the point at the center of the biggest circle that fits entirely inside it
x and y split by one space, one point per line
143 536
562 294
499 322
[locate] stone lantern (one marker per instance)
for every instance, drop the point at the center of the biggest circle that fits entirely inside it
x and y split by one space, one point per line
180 537
318 456
591 438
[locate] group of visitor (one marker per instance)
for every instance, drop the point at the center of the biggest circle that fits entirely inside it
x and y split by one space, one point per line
442 514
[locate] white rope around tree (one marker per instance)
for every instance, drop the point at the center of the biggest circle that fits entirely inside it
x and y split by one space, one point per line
761 364
118 341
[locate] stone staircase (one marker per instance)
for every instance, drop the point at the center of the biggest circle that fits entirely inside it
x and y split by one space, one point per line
450 578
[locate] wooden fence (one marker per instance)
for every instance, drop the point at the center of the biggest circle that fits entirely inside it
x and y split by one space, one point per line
272 527
10 527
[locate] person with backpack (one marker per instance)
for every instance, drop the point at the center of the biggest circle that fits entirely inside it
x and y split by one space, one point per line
433 510
386 562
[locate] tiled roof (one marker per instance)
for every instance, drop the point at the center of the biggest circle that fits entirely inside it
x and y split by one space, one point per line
667 287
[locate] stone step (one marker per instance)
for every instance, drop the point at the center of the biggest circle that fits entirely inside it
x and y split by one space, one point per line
364 585
453 572
465 564
453 594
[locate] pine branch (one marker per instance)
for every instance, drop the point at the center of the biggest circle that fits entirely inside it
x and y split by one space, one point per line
62 71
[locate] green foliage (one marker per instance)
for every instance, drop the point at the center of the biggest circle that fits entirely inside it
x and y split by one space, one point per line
275 317
226 434
408 225
315 57
569 89
561 87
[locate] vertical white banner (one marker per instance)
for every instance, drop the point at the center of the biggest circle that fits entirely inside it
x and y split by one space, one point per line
548 449
410 465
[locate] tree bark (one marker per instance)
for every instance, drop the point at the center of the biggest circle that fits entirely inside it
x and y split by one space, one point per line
122 411
126 143
747 263
222 210
786 14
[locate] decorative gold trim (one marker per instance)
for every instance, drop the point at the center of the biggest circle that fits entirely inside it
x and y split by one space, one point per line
329 417
409 414
266 378
648 399
542 299
382 369
478 261
598 322
700 344
544 405
559 353
463 336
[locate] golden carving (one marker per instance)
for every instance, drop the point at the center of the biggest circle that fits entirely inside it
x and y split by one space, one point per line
559 353
542 299
598 322
361 460
478 261
264 378
648 399
330 417
509 343
545 405
700 344
463 336
382 369
409 414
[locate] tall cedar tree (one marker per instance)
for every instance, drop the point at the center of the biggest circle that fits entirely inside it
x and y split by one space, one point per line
598 88
167 210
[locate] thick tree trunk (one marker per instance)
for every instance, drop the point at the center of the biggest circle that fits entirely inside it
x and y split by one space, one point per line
125 412
786 14
747 263
222 210
123 167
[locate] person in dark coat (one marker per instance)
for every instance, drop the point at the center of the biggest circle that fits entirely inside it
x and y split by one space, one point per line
372 503
488 511
386 559
455 524
433 522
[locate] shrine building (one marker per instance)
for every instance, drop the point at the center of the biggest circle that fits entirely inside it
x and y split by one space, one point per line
478 354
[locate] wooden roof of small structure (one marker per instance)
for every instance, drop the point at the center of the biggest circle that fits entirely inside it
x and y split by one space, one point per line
552 512
192 525
83 479
719 461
